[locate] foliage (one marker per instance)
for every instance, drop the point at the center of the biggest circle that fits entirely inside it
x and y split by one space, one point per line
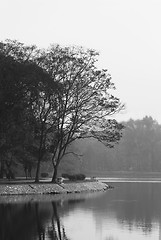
49 98
21 81
74 177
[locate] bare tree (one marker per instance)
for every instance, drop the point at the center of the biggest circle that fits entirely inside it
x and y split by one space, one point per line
83 105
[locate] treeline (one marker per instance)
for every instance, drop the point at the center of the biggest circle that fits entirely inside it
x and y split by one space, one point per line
48 99
139 150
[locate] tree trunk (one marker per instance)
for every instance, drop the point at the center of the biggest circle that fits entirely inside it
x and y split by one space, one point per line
2 169
55 174
40 154
38 170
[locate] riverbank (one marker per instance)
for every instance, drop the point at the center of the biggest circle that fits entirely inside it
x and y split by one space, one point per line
50 188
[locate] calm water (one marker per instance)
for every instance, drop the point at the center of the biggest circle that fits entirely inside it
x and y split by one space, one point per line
132 210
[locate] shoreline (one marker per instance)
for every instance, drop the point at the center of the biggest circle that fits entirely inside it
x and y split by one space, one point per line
8 189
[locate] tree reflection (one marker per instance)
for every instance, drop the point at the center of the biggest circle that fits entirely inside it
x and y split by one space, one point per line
39 223
57 232
15 220
31 221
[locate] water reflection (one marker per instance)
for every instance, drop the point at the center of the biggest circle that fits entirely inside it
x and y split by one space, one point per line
31 221
130 211
138 205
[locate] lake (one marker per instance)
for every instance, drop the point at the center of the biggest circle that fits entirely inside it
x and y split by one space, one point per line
130 211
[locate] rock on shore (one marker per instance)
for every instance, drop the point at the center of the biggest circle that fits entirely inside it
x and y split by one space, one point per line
50 188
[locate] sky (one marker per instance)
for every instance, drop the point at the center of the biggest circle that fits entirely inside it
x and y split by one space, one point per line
127 34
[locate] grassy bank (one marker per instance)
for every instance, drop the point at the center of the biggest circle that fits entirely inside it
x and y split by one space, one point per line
50 188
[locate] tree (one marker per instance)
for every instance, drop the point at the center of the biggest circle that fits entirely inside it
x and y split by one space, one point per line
54 97
45 122
11 108
83 105
22 82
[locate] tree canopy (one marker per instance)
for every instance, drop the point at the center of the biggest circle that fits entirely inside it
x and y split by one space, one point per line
53 97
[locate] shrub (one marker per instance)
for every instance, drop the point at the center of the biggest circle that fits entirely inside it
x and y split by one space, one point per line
75 177
44 175
81 176
72 177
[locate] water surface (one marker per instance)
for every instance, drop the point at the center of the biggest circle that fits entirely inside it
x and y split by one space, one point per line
132 210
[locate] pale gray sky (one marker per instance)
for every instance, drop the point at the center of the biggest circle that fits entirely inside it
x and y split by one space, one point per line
127 33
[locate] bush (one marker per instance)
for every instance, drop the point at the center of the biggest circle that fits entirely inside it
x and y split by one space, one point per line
80 176
44 175
74 177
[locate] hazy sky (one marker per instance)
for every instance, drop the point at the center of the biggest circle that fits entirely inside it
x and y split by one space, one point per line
127 33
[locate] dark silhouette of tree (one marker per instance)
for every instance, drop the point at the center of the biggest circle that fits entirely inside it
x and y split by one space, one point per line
50 98
23 83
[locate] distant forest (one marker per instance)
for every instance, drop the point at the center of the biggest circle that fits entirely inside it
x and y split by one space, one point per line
139 150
